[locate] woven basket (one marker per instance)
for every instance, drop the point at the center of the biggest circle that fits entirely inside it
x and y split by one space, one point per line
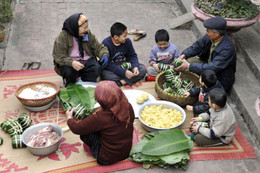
37 102
180 100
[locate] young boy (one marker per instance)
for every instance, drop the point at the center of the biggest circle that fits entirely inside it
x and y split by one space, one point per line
163 52
121 51
222 125
208 81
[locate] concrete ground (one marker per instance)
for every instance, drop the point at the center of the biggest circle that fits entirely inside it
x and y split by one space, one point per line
37 23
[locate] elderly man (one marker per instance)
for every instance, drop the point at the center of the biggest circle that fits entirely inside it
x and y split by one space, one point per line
215 51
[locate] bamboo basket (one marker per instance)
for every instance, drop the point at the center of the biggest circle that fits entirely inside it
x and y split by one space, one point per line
37 102
180 100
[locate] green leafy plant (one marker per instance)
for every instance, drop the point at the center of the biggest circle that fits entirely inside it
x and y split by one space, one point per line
163 148
6 11
228 8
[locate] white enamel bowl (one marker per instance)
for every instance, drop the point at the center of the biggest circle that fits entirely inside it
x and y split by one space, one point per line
165 105
41 151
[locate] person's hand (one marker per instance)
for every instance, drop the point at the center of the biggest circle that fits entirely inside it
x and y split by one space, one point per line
69 113
129 74
77 65
189 108
196 119
104 61
136 71
187 94
195 128
155 66
185 65
182 56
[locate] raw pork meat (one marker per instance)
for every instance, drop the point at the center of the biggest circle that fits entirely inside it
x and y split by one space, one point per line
43 138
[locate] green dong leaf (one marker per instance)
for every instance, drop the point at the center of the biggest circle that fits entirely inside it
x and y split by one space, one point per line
167 142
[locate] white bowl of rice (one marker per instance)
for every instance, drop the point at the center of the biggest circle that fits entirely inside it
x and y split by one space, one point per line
37 94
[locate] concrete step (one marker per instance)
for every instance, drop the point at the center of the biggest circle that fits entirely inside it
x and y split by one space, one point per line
244 94
180 20
247 41
246 89
256 26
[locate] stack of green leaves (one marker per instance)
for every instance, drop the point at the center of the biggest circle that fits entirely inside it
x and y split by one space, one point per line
74 95
163 148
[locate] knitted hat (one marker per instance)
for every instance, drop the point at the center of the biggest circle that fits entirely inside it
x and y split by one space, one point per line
218 23
82 19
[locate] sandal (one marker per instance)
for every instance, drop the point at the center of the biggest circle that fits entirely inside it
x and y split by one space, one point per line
139 36
135 32
31 65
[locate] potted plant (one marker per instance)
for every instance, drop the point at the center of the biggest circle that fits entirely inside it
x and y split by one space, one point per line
6 15
238 13
6 11
2 32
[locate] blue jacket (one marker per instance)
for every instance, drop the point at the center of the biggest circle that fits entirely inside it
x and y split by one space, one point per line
119 54
223 59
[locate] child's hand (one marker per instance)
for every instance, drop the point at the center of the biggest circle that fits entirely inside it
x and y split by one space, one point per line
189 108
195 128
187 94
136 71
69 113
196 119
171 67
155 66
129 74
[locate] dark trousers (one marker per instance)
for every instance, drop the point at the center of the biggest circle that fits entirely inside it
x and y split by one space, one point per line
204 141
109 75
92 140
91 71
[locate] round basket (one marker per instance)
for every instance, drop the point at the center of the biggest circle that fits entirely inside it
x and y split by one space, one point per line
180 100
37 102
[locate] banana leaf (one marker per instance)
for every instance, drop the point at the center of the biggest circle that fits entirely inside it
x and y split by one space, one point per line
75 94
175 157
78 95
64 98
170 141
91 92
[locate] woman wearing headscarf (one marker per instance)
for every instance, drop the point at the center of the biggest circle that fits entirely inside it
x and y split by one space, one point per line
108 131
76 51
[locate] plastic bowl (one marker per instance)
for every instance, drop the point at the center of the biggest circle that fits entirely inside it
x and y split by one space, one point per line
41 151
165 105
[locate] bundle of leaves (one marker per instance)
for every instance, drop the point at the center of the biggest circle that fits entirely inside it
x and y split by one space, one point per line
163 148
75 94
6 11
228 8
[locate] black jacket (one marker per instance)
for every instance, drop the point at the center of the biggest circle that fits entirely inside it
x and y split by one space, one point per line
223 59
203 93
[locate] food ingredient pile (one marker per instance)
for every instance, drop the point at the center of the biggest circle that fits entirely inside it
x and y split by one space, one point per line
39 91
43 138
159 117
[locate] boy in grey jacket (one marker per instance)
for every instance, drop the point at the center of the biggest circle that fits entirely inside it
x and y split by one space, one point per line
222 122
